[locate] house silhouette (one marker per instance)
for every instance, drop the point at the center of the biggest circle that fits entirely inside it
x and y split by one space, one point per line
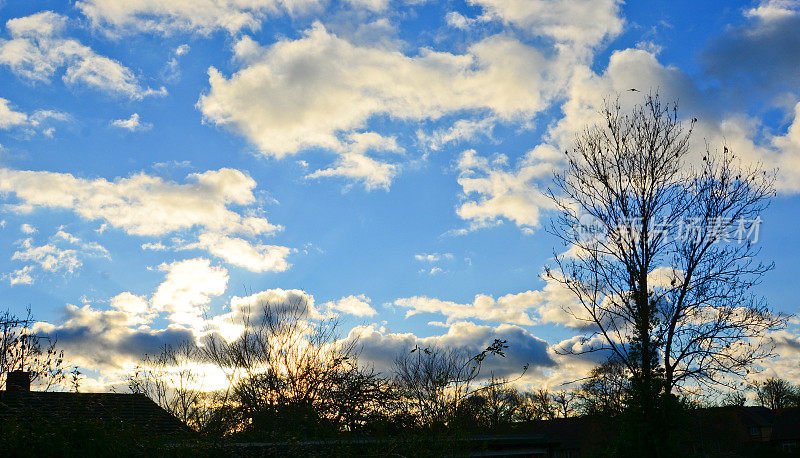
110 410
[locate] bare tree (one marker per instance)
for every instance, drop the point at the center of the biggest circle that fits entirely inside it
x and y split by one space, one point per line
663 276
776 393
171 379
500 403
543 405
734 398
435 381
564 402
22 349
605 390
534 405
288 372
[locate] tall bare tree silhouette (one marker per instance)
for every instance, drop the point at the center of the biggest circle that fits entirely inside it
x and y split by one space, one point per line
661 252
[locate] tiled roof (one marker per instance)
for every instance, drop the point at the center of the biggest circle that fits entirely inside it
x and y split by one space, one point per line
134 410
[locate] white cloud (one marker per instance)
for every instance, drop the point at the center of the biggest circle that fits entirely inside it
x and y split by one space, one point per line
240 252
355 164
87 247
552 304
21 276
302 93
507 309
63 253
181 50
49 257
459 21
146 205
770 10
132 123
462 130
352 305
38 48
201 16
372 5
10 118
319 90
492 191
581 23
187 290
252 309
171 71
37 121
135 307
155 246
787 349
143 204
432 257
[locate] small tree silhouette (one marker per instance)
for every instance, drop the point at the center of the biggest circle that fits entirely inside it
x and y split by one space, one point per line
21 349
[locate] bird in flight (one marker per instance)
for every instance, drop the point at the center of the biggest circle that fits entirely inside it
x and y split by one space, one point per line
633 89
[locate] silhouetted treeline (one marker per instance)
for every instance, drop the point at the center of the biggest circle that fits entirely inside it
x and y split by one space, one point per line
292 378
289 377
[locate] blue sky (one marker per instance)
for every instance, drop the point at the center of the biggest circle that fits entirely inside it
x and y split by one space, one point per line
386 158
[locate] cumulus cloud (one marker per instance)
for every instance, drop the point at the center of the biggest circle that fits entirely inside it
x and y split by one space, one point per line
552 304
296 303
253 309
239 252
132 123
463 130
581 23
106 338
459 21
572 362
146 205
118 337
491 191
321 90
48 257
201 16
136 308
143 204
171 71
38 49
311 89
21 276
187 290
787 349
352 305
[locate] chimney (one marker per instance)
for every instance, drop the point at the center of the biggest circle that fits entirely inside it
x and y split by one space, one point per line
18 381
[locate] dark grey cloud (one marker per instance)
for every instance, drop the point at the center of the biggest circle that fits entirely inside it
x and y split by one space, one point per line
105 338
763 54
381 349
